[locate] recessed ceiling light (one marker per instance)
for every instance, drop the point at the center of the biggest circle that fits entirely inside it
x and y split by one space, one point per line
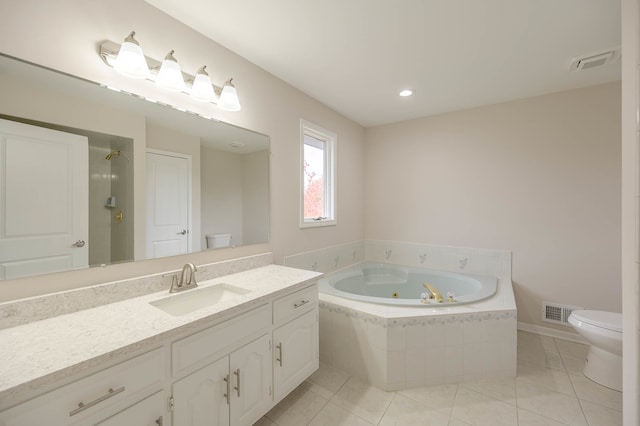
405 93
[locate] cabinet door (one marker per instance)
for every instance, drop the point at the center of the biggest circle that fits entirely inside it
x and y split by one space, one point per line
148 412
295 353
201 398
251 381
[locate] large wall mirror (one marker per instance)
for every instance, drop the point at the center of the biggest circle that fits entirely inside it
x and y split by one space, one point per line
70 159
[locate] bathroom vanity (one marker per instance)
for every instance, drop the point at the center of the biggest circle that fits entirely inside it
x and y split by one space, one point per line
143 361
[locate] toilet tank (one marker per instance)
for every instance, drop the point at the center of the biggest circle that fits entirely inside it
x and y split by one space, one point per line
218 240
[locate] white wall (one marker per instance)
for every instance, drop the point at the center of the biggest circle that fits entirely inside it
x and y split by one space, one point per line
540 177
222 200
65 35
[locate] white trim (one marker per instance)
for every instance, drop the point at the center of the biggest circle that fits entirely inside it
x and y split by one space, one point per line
552 332
331 149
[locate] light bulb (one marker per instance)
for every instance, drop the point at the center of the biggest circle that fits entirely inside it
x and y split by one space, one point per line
202 90
229 97
130 60
170 74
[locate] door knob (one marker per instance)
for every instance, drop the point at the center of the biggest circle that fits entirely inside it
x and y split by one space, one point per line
184 232
79 243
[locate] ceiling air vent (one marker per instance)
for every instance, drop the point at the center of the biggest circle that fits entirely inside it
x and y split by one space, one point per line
593 60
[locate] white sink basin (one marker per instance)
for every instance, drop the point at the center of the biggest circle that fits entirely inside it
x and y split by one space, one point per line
198 298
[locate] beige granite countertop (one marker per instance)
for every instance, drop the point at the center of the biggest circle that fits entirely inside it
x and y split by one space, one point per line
37 355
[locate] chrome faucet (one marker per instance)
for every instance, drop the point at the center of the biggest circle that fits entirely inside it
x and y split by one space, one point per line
187 279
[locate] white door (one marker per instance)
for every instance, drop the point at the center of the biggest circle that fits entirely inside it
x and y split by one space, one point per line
44 200
168 204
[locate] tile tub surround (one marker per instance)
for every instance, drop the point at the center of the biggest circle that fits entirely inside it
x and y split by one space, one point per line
401 352
23 311
445 258
40 355
395 347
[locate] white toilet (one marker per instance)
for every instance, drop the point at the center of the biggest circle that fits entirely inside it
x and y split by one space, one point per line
218 240
603 331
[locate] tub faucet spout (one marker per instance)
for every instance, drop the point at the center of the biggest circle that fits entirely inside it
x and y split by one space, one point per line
437 296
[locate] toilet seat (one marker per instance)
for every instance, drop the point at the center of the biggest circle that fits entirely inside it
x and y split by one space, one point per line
607 320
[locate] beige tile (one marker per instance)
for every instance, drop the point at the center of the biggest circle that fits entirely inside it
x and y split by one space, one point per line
537 355
527 418
573 365
540 350
598 415
297 408
548 378
589 390
406 412
478 409
501 389
327 380
554 405
362 399
333 415
436 398
533 341
576 350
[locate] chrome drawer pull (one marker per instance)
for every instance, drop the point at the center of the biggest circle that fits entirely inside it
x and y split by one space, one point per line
82 406
279 347
301 303
237 373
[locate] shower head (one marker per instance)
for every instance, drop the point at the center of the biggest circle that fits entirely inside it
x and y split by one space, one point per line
111 154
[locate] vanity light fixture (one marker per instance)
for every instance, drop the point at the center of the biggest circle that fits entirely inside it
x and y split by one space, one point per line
130 60
202 90
229 97
168 73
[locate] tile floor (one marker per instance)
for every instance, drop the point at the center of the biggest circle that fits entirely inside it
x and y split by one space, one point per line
549 390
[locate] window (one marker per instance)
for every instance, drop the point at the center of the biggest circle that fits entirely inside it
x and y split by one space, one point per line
318 206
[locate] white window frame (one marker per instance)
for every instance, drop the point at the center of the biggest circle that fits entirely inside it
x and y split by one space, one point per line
331 140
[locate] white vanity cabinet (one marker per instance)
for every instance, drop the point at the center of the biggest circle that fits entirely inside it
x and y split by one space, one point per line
230 373
234 386
295 340
97 397
235 390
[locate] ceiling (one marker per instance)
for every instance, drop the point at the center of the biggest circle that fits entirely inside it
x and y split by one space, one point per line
356 55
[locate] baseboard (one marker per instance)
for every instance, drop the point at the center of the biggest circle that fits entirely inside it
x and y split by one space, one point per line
551 332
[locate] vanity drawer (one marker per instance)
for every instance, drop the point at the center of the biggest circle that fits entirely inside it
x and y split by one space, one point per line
203 347
105 393
298 303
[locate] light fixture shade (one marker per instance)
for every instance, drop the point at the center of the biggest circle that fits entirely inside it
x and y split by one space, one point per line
202 90
229 97
130 60
170 74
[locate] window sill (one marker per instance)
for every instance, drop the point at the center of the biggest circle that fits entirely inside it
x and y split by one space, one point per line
318 223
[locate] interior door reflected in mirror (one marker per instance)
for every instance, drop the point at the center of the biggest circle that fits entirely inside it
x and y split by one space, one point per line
223 200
